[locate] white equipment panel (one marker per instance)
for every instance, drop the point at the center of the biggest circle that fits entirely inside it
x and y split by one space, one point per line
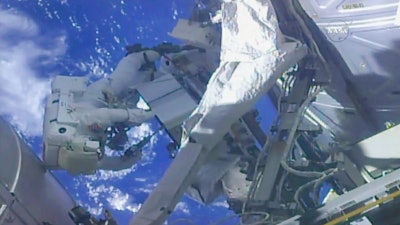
168 100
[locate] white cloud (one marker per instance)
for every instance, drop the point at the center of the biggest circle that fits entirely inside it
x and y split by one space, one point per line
94 193
118 200
175 14
108 174
64 2
134 207
97 211
142 104
114 197
148 188
223 204
95 66
140 179
182 207
13 21
137 133
22 92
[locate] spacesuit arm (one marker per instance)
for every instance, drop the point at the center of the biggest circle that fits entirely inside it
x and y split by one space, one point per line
105 117
128 73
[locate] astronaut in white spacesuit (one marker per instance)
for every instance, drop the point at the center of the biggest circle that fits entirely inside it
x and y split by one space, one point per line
90 118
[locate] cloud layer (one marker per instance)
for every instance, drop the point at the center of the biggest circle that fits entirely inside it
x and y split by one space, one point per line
22 90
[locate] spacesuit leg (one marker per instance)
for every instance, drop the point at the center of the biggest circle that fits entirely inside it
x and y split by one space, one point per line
130 73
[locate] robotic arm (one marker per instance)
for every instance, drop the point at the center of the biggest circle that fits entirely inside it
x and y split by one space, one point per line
249 67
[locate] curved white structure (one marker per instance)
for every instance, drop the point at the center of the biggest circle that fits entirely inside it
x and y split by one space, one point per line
29 194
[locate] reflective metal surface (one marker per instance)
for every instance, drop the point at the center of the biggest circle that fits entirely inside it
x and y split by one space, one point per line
29 194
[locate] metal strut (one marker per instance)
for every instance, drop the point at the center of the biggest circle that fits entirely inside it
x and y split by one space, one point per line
300 92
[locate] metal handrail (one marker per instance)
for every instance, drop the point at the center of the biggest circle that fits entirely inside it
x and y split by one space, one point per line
10 201
5 205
